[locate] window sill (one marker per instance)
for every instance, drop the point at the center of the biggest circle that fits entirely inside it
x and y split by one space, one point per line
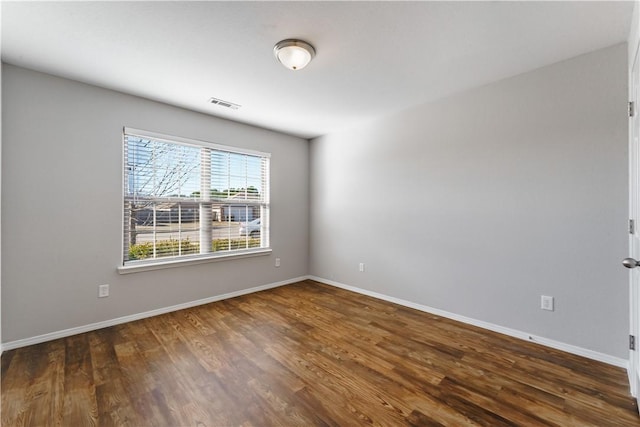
159 265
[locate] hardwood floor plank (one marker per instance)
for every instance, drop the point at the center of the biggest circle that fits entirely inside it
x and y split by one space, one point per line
301 355
114 403
50 387
80 405
418 419
472 393
16 379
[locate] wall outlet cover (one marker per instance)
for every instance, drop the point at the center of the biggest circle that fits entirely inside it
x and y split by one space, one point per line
546 302
103 291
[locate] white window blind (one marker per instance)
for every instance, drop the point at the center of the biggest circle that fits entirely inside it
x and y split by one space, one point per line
191 199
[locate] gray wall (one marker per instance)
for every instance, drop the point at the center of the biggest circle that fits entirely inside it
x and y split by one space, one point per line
61 206
480 203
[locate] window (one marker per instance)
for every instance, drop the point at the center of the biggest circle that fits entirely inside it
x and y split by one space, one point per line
186 199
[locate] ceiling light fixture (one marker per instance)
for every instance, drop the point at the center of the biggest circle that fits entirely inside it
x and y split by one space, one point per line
294 54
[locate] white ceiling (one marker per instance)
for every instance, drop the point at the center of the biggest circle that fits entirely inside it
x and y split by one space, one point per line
373 58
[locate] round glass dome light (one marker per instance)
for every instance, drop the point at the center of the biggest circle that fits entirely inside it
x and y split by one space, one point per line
294 54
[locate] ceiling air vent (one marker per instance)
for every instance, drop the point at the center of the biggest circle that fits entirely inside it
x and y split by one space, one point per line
222 103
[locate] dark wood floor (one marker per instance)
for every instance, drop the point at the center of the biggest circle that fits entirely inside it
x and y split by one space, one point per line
306 354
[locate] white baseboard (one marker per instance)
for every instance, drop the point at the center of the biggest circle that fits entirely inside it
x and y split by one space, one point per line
104 324
590 354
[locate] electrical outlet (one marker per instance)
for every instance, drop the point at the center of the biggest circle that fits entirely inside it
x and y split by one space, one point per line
361 267
103 291
277 262
546 302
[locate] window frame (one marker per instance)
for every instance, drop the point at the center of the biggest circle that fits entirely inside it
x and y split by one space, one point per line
132 266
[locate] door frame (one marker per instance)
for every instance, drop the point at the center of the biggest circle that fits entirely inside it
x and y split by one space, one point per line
634 214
